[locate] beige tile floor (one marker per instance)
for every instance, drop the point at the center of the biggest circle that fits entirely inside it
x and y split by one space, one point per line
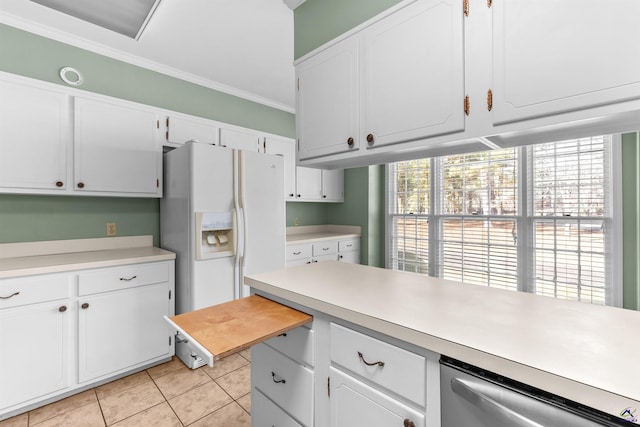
165 395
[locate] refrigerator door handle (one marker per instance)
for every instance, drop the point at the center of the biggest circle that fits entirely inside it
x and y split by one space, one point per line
239 230
243 216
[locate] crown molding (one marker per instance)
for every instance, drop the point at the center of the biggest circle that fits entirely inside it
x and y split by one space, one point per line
104 50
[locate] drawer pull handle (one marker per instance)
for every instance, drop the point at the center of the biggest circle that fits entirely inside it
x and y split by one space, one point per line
408 423
325 249
349 245
10 296
129 279
85 305
297 253
62 308
381 364
273 377
283 334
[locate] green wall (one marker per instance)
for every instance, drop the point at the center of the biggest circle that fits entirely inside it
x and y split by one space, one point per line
32 218
363 206
630 210
307 213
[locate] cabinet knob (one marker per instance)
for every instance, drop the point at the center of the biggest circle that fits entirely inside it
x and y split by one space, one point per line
324 196
62 309
291 194
370 138
85 305
81 185
59 183
297 195
408 423
350 142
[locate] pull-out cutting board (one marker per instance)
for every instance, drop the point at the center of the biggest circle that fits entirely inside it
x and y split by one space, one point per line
227 328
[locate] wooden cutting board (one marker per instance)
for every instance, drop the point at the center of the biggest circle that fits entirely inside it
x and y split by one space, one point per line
230 327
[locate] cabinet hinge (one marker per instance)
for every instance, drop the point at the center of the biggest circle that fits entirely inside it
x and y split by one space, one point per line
298 85
169 340
167 121
489 100
169 293
489 3
157 124
329 386
465 7
157 182
166 135
264 144
467 105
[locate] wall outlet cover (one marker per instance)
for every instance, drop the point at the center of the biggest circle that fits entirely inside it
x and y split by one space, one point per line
112 229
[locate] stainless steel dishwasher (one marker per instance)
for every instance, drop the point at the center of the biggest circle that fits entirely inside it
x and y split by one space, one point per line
472 397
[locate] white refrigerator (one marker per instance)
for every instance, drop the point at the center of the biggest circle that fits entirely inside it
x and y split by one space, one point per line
223 214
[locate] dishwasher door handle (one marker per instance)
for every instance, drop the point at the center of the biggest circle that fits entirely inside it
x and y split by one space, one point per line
467 391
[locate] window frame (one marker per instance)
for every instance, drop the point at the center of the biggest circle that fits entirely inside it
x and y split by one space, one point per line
525 221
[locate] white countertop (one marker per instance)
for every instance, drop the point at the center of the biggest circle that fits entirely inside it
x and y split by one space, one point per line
66 255
316 233
589 354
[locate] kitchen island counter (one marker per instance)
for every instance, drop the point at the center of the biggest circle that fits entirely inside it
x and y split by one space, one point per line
581 352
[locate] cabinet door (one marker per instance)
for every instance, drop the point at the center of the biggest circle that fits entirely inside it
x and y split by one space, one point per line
239 139
327 102
309 183
118 330
333 185
350 257
116 149
181 129
552 56
287 149
354 403
34 131
34 351
413 74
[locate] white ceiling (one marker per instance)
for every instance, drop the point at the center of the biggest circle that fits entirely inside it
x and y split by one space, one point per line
242 47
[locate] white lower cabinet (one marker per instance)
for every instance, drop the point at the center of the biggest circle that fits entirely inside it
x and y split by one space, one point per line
285 382
115 318
268 414
346 250
109 343
353 403
34 351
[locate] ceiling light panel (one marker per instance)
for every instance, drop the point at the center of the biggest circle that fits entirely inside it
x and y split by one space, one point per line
127 17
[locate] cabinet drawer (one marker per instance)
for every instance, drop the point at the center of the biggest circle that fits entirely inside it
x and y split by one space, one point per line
298 251
287 383
325 248
33 289
297 344
403 372
349 245
130 276
265 413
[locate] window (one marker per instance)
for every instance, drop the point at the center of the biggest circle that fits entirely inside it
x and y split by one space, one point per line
537 219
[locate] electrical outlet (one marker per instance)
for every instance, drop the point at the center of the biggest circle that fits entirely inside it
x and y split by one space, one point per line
296 221
112 230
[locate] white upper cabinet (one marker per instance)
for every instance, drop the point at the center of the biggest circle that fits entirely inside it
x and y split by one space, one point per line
552 57
287 149
181 129
240 139
116 148
309 184
413 74
34 137
327 102
333 185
